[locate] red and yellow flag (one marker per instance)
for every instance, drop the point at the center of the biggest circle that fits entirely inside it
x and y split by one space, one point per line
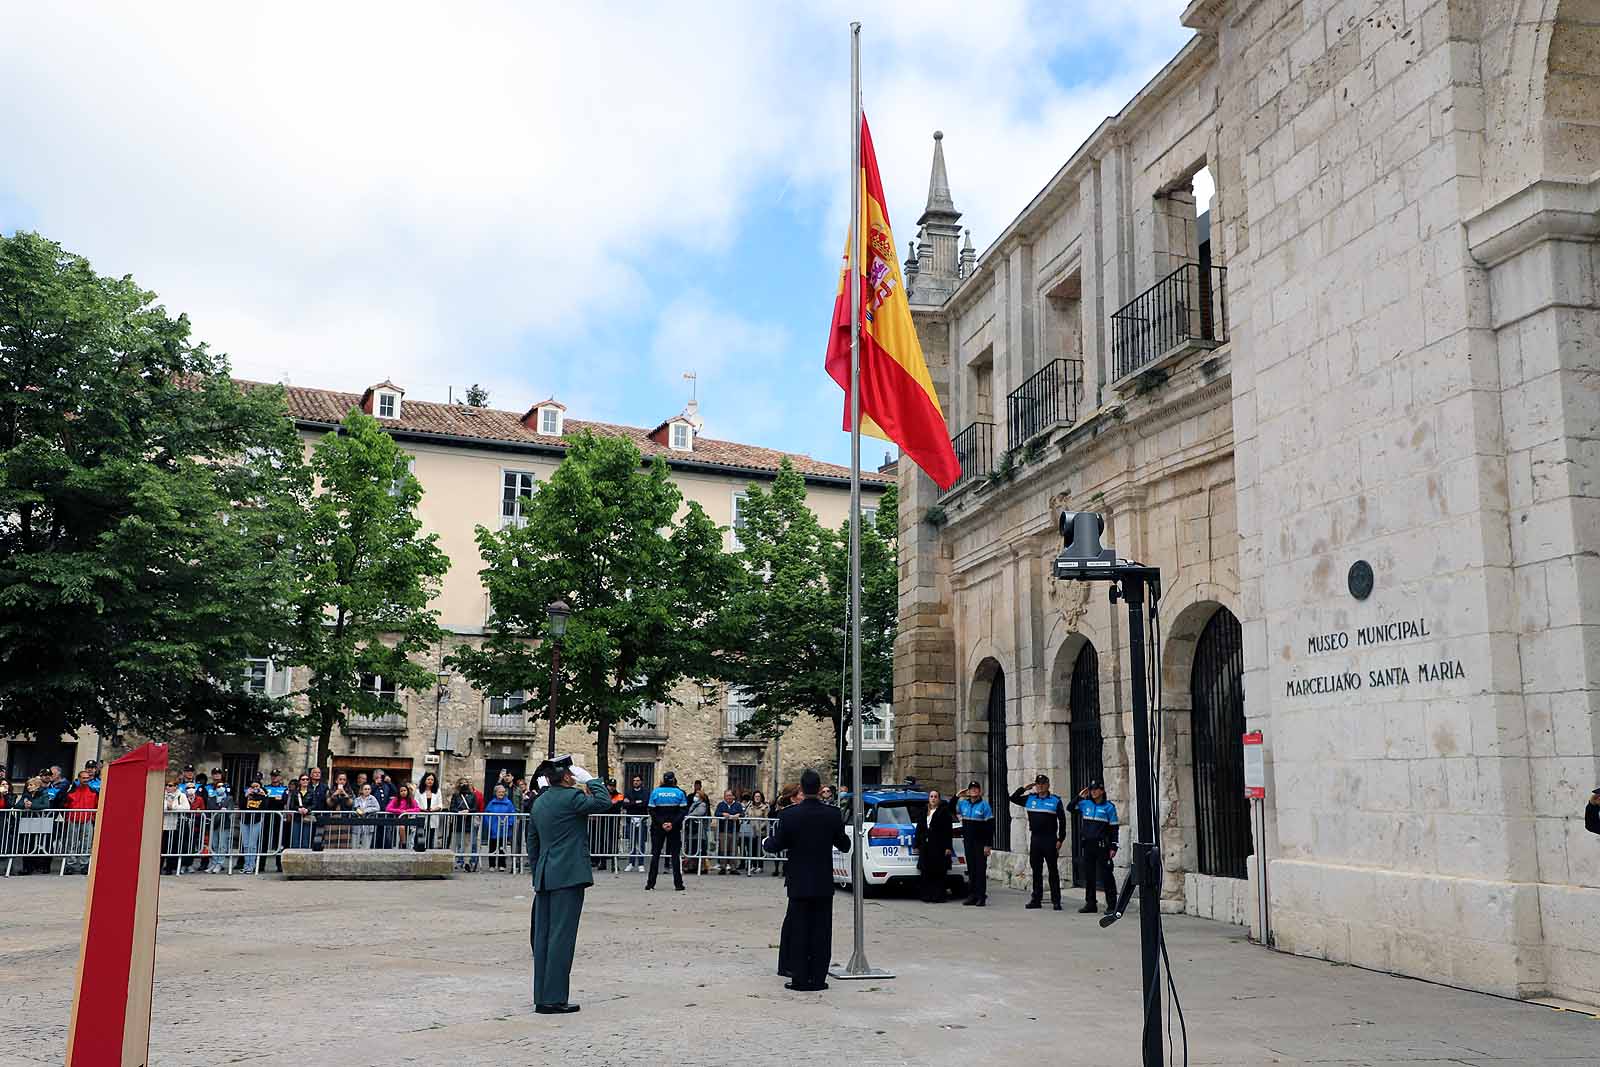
898 402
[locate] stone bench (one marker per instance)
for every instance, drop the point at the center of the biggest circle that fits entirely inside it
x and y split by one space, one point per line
367 864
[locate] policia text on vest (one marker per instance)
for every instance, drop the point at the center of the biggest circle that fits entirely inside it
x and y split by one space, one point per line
1047 829
668 805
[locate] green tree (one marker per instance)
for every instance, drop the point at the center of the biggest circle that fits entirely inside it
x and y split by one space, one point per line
645 586
477 396
366 577
786 629
145 506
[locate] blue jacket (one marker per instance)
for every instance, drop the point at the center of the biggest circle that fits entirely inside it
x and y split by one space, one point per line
977 822
1047 816
1099 821
499 825
668 803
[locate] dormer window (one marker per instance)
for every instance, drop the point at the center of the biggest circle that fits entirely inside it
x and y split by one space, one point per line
550 421
387 405
682 437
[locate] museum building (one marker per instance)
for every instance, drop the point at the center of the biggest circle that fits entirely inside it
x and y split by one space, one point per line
1314 323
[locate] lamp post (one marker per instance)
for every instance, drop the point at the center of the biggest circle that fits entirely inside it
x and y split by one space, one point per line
558 612
438 703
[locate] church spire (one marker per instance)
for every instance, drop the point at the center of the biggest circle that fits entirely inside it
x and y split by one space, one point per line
938 237
941 208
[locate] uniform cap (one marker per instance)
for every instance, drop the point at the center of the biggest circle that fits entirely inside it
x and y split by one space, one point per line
974 784
1097 784
1043 779
669 779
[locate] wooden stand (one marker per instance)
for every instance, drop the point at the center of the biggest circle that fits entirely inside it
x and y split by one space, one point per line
116 961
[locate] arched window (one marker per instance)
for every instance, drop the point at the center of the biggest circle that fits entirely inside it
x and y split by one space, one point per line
1084 737
1222 814
999 773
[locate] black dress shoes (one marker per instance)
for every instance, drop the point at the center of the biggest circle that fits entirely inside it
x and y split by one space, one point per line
805 988
554 1009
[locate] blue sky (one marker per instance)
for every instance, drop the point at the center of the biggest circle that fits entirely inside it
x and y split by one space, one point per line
583 201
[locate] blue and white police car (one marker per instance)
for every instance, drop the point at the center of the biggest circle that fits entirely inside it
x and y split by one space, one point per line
888 827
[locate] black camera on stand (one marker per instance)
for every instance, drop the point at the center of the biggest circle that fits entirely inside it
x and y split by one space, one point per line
1084 559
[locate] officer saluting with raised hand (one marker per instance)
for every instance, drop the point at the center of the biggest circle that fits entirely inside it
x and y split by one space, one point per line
558 856
1047 829
977 836
668 804
1097 836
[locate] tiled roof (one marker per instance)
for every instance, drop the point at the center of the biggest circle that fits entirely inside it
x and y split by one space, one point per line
453 421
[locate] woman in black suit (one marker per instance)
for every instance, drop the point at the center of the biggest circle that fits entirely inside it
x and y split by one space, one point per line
935 845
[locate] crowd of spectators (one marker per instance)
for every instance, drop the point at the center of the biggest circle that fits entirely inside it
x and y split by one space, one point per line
207 828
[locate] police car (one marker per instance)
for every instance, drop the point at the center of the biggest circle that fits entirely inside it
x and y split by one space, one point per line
888 825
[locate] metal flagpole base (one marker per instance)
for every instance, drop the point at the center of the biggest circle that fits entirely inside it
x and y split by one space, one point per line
850 972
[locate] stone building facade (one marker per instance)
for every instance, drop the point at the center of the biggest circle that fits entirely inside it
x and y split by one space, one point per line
1351 409
474 465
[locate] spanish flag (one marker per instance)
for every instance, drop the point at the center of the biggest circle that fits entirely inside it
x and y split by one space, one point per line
898 402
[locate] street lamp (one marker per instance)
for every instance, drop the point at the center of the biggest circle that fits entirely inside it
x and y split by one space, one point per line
558 611
438 702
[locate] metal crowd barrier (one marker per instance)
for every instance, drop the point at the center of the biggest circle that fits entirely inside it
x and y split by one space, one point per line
241 842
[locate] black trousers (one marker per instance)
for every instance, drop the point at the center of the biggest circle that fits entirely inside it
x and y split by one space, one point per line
809 923
933 871
1040 855
673 839
1097 868
977 870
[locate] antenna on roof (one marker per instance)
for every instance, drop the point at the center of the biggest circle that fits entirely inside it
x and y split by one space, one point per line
693 410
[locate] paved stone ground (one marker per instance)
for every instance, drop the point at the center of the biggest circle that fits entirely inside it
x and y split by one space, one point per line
267 971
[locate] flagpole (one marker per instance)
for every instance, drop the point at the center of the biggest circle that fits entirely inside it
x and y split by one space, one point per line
858 966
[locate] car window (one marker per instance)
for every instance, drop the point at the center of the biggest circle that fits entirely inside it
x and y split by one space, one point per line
901 813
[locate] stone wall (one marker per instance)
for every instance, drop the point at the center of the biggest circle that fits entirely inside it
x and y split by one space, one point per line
1382 413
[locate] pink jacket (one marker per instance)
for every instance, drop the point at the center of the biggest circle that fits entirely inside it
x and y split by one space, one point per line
400 807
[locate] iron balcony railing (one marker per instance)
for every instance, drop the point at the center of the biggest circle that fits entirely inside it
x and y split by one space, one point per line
974 449
1187 308
1048 399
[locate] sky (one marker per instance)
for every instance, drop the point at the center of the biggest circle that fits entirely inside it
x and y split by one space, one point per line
583 201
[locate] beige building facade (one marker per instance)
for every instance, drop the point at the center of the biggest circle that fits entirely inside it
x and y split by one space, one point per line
1350 405
475 464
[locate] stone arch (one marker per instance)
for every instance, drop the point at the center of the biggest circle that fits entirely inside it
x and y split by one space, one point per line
1542 97
988 735
1184 618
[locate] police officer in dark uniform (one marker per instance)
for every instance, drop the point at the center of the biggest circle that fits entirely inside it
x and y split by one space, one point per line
1097 837
1047 829
977 837
668 804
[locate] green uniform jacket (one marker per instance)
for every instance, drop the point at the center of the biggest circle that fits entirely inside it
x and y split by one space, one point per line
558 835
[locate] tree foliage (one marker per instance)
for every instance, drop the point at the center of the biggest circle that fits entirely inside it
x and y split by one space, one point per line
142 512
786 627
366 576
477 396
645 584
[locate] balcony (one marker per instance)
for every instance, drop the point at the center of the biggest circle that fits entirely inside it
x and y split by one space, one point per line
876 736
393 722
974 449
1183 312
510 717
1045 401
647 726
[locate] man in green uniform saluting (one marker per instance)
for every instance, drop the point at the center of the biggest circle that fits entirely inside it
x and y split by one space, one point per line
558 856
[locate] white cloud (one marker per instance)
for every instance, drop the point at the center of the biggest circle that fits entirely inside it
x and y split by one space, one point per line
346 192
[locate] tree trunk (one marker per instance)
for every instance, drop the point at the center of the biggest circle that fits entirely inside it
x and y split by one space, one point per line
602 745
324 740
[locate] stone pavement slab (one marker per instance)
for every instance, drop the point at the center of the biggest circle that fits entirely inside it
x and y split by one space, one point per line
263 970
